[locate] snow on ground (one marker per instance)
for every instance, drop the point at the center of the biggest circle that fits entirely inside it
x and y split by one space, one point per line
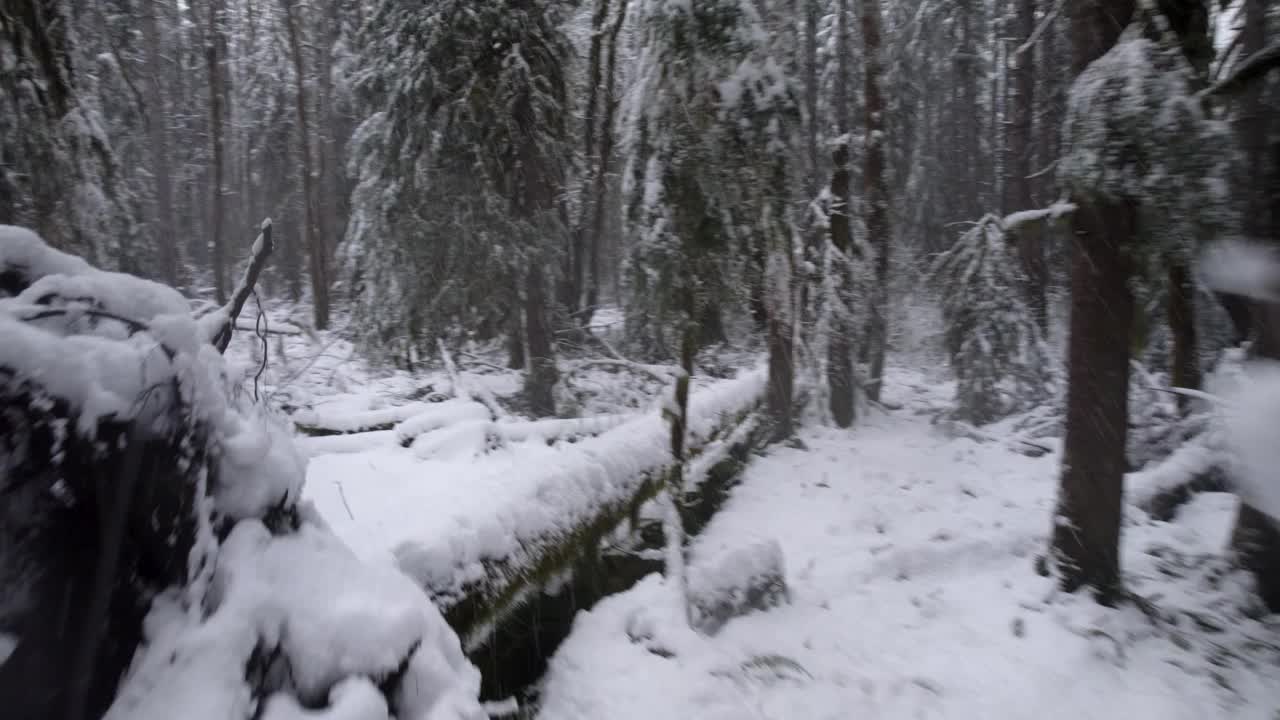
910 558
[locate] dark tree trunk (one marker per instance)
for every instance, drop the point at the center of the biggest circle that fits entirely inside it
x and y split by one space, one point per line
214 42
1189 20
317 252
595 244
1086 532
575 280
813 178
158 135
515 342
1085 545
968 150
781 378
541 381
1185 358
1255 542
1017 186
840 344
876 190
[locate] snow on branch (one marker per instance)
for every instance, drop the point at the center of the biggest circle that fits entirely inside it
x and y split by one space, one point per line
1013 221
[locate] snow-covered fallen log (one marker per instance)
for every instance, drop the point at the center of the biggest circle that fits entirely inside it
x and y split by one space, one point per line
320 422
438 416
349 443
563 505
472 437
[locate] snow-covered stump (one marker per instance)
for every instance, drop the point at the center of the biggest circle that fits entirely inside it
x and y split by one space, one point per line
154 557
742 581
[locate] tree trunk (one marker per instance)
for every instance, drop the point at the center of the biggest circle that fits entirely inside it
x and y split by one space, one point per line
1185 358
1086 532
969 123
1017 185
781 332
575 280
601 177
1189 20
158 136
541 381
1255 542
213 44
317 253
1085 545
840 346
875 188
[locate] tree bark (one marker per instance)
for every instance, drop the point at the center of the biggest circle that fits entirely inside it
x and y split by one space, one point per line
1017 186
1086 532
575 280
158 136
1255 542
968 124
840 346
541 381
213 45
1189 20
1085 544
876 190
605 163
317 252
1185 358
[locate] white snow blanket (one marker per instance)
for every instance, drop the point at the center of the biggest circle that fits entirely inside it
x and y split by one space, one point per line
909 559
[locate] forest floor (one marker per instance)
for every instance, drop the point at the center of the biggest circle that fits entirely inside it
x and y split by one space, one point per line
910 562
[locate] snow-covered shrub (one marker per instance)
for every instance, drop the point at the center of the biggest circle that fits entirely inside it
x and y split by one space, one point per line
136 476
995 346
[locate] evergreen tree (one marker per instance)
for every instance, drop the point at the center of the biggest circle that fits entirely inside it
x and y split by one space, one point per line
996 349
461 171
711 130
58 171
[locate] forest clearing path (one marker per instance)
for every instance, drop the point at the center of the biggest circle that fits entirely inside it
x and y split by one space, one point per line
909 559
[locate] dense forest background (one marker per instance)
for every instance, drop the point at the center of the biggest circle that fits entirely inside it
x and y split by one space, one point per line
796 176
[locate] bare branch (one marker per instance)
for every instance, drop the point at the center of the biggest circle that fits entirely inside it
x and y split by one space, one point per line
1251 68
230 312
1045 22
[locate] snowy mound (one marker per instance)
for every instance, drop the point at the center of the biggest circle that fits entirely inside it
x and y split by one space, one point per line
138 476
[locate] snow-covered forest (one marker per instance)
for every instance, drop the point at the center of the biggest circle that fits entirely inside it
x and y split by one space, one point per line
611 359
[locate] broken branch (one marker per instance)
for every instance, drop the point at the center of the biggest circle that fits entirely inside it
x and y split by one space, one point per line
230 312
